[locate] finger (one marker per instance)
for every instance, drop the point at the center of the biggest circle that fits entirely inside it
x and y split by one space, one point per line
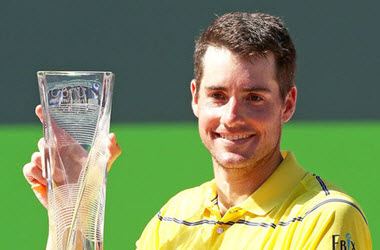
41 193
33 174
41 145
36 159
39 188
43 152
114 150
38 112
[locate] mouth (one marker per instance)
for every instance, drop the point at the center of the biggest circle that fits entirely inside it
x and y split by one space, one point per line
235 137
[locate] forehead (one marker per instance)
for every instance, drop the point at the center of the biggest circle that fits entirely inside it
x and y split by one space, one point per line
223 68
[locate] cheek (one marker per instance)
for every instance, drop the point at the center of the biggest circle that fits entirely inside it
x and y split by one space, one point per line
272 127
209 117
208 122
261 116
266 120
271 112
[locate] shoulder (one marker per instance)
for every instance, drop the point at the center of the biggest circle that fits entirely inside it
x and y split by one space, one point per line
327 215
185 206
326 198
189 201
335 216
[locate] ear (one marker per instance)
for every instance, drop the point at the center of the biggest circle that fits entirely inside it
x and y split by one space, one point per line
289 105
194 102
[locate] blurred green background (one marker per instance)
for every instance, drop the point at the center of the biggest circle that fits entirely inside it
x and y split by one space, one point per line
160 160
149 46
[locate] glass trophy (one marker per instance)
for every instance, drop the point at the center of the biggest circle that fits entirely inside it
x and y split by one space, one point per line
76 109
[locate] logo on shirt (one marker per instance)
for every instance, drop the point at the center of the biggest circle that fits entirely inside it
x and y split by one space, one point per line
347 244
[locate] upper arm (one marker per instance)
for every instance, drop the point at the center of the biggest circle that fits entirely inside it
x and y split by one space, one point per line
349 228
149 238
334 225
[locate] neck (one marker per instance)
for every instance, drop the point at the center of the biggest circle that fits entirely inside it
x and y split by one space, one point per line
235 185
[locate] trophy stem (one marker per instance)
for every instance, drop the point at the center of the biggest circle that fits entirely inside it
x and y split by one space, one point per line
70 238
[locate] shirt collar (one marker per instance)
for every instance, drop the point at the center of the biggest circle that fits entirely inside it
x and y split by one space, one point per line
271 193
211 195
277 187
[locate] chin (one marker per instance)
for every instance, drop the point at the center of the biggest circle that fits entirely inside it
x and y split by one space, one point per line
233 161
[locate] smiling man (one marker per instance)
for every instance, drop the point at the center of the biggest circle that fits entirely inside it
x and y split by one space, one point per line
261 198
242 94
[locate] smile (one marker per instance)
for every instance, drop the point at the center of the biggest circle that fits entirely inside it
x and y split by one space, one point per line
234 137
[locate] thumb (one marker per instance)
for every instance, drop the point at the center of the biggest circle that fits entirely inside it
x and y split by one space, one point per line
38 112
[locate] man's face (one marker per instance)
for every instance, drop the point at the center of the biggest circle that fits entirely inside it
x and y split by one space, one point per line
239 108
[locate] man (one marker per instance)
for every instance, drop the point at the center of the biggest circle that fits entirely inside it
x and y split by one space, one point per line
242 94
261 198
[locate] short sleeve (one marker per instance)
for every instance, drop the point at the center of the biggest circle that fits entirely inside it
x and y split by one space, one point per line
338 225
350 229
149 238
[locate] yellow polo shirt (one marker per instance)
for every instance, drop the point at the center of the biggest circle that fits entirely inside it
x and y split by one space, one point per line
293 209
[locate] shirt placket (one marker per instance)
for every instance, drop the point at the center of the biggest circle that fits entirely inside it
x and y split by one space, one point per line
228 220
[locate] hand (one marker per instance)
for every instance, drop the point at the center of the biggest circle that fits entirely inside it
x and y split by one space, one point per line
33 169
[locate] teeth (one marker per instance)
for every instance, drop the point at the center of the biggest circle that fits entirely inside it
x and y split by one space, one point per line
234 137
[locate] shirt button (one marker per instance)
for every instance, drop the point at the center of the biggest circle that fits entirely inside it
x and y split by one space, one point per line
220 230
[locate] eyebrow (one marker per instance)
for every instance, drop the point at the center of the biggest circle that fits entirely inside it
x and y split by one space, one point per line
249 89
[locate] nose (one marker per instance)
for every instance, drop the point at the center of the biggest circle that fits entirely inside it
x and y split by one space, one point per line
232 114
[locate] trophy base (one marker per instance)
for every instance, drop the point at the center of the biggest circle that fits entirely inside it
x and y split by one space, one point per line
74 227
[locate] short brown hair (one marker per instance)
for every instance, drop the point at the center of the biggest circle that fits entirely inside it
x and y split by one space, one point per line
248 34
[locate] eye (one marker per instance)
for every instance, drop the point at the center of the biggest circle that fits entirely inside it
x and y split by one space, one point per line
217 96
255 98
